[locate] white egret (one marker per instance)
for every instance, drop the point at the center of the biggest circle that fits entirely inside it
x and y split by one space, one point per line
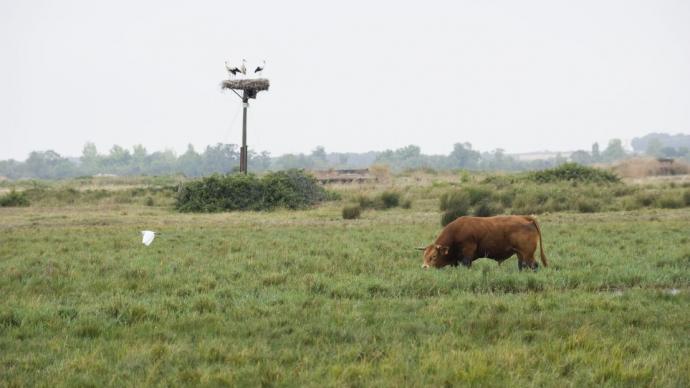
147 237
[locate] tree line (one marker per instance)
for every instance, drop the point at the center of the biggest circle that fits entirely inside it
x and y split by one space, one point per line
224 158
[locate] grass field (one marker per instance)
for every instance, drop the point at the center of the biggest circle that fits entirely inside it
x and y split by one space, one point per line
308 299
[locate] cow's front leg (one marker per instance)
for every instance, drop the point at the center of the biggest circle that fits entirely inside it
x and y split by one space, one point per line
468 251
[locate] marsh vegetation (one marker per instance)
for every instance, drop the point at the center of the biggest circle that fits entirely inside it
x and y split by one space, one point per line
306 298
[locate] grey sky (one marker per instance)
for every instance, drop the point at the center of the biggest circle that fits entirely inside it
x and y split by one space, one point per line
351 76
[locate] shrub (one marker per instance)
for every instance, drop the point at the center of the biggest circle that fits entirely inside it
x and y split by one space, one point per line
670 201
487 208
333 195
292 189
366 202
406 204
385 200
507 197
646 199
588 205
389 199
478 194
450 215
686 197
352 212
455 200
574 172
14 198
630 203
148 201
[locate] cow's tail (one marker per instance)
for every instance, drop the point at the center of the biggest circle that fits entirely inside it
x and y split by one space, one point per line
541 247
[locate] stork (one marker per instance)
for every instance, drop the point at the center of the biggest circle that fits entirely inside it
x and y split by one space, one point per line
231 70
243 68
259 69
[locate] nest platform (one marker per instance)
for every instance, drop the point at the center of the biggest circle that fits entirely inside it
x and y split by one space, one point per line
250 86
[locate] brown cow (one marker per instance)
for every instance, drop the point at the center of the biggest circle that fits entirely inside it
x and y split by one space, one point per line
469 238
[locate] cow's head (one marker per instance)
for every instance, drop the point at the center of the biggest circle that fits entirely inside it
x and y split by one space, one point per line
435 256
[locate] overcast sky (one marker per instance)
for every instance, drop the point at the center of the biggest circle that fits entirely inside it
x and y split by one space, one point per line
348 75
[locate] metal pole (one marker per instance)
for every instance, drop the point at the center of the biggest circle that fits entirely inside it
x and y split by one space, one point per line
243 150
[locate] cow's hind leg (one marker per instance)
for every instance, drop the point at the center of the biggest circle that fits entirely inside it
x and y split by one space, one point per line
521 262
529 262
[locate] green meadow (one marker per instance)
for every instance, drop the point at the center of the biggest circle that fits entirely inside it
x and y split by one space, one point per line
306 298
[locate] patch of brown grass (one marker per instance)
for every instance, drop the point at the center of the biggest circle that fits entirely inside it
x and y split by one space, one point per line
645 167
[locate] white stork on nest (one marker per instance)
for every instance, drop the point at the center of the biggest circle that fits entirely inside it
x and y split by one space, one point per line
232 70
243 68
260 68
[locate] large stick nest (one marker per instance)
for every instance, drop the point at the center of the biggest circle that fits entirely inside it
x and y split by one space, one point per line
251 86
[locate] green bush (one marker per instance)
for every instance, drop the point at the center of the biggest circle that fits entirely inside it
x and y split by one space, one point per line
149 201
390 199
686 197
646 199
450 215
507 197
292 189
670 201
383 201
487 208
478 194
455 200
588 205
352 212
366 202
14 198
574 172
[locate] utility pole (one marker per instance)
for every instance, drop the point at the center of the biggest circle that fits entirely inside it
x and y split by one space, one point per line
249 87
243 150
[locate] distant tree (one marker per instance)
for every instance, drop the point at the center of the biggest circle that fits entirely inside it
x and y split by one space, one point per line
581 157
654 147
190 163
260 161
463 156
292 161
220 158
319 153
117 160
614 151
11 168
90 160
670 152
318 157
498 160
48 165
139 160
161 163
642 144
596 155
